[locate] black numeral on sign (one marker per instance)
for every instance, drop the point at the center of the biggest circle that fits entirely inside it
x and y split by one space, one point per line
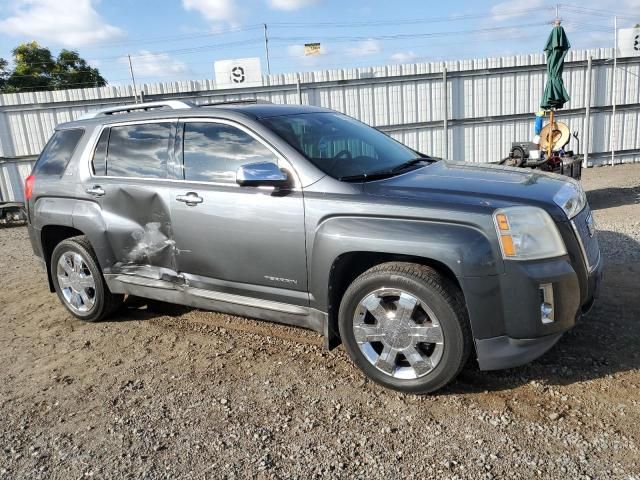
238 74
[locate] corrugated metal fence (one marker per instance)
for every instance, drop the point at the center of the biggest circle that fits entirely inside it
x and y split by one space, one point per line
489 103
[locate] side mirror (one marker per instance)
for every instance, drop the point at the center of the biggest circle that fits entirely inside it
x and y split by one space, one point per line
261 174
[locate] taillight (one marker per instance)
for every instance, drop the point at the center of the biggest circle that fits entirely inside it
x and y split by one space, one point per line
28 187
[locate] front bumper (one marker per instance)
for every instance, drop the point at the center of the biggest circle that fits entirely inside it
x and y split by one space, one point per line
505 310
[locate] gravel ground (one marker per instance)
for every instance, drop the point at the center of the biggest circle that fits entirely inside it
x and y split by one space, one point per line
191 394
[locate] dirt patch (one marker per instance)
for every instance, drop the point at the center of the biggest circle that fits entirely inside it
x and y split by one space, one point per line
197 394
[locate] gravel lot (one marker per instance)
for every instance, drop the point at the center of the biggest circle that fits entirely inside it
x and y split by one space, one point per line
193 394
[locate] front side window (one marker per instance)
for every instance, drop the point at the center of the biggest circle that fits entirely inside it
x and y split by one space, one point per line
56 154
339 145
140 150
213 152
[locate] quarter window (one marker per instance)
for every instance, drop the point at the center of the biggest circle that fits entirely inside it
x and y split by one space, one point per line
56 154
140 150
213 152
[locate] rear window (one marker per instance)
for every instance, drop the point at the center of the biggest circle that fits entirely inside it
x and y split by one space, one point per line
57 153
140 150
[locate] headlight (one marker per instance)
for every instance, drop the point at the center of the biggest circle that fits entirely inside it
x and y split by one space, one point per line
571 198
527 233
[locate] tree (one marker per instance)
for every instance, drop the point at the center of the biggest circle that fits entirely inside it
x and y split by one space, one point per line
4 73
71 71
35 69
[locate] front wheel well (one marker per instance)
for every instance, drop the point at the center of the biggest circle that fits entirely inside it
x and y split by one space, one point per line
349 266
51 236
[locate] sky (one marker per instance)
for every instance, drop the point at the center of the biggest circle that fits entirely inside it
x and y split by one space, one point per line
180 39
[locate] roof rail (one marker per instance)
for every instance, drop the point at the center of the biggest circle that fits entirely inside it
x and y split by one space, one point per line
239 101
171 104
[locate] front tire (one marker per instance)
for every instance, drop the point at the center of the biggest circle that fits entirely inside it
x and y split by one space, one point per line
405 326
79 283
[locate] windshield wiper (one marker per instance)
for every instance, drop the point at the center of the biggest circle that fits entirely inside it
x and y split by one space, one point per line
411 163
362 177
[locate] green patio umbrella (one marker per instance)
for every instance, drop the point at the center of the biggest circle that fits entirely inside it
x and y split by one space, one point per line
555 95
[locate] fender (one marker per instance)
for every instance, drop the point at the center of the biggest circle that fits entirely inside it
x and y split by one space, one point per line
463 248
88 217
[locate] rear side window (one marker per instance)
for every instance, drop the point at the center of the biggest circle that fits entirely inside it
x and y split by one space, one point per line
57 153
213 152
140 150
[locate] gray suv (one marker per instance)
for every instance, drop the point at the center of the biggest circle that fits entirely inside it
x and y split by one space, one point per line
305 216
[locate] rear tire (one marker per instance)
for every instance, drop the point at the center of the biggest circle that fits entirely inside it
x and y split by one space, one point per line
406 327
79 282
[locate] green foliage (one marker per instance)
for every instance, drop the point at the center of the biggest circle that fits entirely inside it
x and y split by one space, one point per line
36 69
4 73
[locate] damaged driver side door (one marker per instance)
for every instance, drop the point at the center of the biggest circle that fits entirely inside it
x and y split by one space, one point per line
129 182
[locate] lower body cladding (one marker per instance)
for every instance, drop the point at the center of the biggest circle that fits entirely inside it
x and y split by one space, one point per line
218 301
519 315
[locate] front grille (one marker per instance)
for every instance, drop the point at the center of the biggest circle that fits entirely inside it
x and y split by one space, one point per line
588 243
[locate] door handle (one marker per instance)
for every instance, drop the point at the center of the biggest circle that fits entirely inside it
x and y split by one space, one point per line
190 198
96 191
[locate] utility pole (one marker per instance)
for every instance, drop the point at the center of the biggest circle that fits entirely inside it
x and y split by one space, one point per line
557 11
266 48
614 97
133 79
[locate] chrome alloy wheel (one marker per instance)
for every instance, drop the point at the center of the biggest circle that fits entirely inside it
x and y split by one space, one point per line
76 282
398 333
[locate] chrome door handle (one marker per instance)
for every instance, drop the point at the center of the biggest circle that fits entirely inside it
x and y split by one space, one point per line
190 198
96 191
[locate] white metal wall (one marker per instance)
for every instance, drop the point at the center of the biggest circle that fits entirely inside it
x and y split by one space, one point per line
490 103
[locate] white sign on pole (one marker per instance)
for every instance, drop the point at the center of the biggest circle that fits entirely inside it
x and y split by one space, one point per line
240 72
629 42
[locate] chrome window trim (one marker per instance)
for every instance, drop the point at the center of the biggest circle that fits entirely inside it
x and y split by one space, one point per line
92 144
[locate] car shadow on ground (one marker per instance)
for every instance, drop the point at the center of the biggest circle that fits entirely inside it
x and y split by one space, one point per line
138 308
613 197
604 342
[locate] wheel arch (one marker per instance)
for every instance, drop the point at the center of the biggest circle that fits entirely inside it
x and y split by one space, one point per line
50 237
350 265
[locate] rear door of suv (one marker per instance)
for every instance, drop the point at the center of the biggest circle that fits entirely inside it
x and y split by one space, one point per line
245 241
130 182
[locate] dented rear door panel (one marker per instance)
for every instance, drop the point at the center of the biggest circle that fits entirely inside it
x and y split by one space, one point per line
132 221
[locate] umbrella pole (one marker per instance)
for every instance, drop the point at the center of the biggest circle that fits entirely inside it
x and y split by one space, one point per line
550 134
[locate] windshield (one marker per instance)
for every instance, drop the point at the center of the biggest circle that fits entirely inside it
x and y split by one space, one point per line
341 146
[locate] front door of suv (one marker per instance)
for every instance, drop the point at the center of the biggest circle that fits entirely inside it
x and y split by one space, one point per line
246 241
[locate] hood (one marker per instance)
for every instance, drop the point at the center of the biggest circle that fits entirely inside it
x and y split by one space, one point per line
472 184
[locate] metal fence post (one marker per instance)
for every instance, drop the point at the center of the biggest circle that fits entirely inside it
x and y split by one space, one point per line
299 89
445 114
587 114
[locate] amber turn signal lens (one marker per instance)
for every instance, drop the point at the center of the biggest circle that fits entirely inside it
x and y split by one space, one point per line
507 245
503 223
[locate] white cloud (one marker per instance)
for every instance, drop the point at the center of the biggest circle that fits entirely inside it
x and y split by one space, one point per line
367 47
515 8
404 57
148 65
72 23
291 4
215 11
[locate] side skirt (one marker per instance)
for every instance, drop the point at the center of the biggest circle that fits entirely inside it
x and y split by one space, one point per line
243 306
